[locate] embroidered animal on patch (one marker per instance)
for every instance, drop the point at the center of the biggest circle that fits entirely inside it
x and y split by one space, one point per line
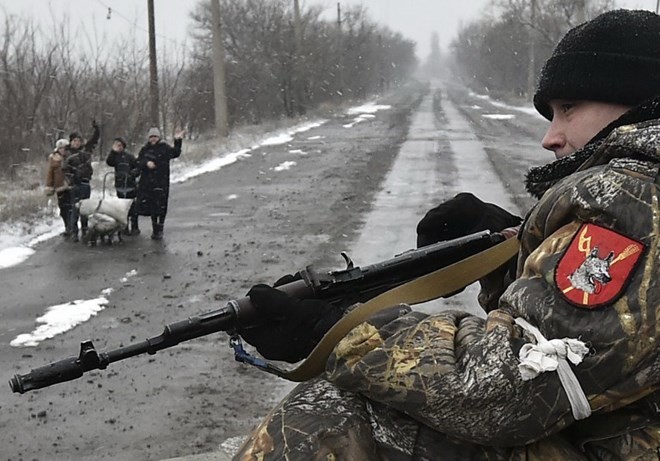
587 280
592 273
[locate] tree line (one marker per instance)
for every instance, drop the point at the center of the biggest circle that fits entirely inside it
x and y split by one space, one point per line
503 51
349 58
57 80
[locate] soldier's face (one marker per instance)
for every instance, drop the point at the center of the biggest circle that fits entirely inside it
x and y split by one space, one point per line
575 122
153 139
75 143
117 146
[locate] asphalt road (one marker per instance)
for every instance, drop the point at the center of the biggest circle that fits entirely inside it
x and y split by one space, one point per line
247 223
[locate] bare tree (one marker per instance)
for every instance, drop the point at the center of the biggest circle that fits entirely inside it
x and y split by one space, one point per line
494 52
268 70
57 82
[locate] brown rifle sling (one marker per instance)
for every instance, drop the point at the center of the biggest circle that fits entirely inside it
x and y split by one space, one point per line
431 286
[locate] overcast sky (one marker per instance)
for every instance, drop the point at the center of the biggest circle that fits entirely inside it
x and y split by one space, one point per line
415 19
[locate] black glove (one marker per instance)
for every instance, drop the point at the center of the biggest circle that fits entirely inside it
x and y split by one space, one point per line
291 327
462 215
94 124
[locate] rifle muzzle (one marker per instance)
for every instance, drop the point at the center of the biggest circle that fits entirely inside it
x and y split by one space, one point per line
58 372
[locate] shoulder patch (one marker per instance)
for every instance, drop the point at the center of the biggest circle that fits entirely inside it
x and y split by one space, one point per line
596 266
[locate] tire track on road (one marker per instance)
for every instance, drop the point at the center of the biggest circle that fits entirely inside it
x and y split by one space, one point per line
436 161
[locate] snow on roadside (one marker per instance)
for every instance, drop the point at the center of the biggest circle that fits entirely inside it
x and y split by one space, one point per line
364 112
527 109
224 159
18 240
63 317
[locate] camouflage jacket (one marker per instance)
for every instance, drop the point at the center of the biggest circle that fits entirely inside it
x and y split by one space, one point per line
406 385
459 375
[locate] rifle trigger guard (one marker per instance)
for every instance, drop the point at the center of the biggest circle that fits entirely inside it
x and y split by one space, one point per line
349 261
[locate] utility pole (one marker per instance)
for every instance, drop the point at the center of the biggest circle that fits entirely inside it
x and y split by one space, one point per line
153 67
298 80
380 65
340 54
531 70
221 124
581 6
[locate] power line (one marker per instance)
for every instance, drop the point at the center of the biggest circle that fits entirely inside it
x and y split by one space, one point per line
112 11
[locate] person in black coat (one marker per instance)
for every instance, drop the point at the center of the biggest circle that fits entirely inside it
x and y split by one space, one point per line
154 185
126 174
78 172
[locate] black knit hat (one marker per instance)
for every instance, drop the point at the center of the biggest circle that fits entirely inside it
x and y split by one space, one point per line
121 140
613 58
74 135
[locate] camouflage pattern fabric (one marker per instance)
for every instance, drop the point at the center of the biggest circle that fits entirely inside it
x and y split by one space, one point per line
409 386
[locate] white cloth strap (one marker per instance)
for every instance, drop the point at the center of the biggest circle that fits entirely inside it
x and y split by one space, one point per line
550 356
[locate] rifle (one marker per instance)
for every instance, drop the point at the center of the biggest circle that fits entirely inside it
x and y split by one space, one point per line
357 284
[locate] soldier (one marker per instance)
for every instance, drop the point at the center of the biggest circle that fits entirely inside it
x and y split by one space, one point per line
407 385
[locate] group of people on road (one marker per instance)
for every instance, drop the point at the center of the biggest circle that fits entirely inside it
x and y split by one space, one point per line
145 179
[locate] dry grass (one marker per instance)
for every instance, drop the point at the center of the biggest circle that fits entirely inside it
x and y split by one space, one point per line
20 201
21 192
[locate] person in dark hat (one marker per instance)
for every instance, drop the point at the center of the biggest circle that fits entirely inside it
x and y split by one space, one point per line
154 186
126 177
78 170
566 366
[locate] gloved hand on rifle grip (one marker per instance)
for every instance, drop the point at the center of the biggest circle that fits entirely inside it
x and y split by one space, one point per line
291 327
462 215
